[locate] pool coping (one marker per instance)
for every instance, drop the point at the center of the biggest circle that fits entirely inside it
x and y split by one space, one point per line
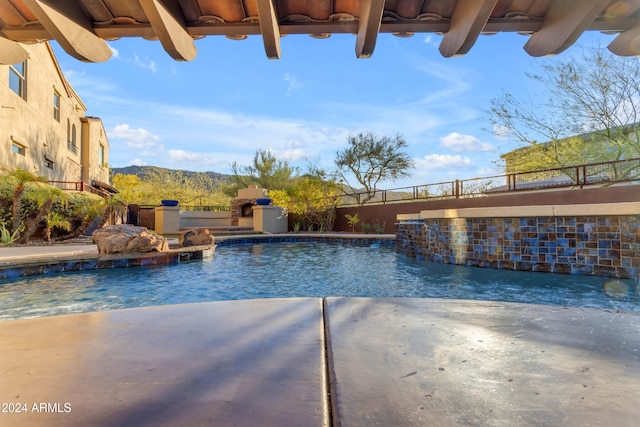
42 260
343 361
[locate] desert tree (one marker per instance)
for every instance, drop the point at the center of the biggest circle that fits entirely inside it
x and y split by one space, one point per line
372 159
266 171
587 110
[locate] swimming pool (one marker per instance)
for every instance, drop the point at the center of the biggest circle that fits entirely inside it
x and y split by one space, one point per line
301 269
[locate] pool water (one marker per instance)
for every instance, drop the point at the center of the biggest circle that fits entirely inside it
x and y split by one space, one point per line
282 270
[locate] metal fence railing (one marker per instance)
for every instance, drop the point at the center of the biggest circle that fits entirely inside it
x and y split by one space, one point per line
79 186
571 176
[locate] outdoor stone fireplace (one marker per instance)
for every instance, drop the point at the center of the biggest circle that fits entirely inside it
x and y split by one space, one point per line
242 206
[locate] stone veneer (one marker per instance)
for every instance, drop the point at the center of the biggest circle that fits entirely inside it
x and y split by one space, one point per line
603 245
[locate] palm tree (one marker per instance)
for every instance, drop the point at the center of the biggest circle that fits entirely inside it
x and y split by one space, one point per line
21 178
112 205
55 220
88 210
45 197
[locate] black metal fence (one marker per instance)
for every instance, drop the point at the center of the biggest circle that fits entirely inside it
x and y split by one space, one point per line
571 176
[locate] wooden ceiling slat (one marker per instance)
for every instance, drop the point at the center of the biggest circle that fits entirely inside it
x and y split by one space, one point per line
563 24
169 26
190 10
97 10
229 10
71 28
24 10
10 15
351 7
501 7
443 8
409 8
126 9
540 8
467 21
368 27
320 9
250 8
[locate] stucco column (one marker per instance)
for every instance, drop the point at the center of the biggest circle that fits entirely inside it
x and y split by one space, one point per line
167 219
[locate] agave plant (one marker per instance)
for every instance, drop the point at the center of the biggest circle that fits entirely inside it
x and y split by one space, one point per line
6 237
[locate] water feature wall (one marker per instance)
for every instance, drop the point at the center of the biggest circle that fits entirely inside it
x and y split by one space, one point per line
547 240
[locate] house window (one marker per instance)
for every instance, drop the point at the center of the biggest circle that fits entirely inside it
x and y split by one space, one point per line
71 145
17 79
56 105
48 163
101 156
18 149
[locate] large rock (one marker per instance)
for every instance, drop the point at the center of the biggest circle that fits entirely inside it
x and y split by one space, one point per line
196 237
128 238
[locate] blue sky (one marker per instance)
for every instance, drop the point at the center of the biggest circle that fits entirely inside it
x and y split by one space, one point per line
231 100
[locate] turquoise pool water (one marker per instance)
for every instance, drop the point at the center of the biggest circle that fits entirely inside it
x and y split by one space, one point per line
303 269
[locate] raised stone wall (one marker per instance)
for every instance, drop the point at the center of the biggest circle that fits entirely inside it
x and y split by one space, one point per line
603 245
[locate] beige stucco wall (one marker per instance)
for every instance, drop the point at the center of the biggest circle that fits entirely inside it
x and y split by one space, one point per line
93 137
30 122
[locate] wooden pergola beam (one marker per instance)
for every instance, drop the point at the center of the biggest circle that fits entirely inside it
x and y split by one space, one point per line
563 24
467 21
68 24
170 28
11 52
268 18
368 27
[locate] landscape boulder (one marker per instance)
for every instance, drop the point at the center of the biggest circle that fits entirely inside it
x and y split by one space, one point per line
128 238
196 237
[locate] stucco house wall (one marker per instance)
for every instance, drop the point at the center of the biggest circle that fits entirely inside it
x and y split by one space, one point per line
62 148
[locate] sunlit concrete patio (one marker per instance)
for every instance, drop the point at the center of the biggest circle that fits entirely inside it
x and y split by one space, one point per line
334 361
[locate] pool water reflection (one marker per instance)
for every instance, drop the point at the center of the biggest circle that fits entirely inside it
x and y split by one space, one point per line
304 269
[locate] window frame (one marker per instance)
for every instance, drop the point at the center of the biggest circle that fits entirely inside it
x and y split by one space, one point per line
56 105
71 144
48 163
101 152
18 148
14 73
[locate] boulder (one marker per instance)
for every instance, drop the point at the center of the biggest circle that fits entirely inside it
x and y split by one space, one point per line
128 238
196 237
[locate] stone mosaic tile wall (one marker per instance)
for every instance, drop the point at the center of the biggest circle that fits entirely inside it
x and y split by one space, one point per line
602 246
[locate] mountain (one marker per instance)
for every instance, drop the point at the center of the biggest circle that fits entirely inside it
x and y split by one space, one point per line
148 171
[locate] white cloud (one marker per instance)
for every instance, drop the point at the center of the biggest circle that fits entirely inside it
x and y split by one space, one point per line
443 161
137 162
465 143
292 82
135 138
114 51
192 158
290 154
431 40
144 63
501 133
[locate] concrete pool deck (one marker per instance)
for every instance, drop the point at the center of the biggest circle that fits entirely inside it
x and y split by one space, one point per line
333 361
